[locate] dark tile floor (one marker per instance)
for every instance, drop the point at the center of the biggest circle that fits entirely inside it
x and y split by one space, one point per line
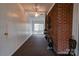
36 45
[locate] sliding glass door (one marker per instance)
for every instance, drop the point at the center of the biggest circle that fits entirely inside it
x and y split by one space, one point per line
38 24
38 28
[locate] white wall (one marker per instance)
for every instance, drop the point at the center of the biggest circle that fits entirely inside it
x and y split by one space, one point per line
75 25
78 28
18 26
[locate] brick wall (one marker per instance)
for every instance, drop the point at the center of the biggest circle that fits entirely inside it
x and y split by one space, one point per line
61 26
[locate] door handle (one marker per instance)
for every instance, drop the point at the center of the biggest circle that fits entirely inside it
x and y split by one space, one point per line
5 34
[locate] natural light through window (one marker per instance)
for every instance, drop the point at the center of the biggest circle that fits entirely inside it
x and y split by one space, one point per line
38 27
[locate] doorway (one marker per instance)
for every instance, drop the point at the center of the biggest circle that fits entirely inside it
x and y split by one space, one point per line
38 24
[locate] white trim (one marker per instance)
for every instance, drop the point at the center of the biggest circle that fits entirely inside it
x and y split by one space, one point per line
50 8
75 25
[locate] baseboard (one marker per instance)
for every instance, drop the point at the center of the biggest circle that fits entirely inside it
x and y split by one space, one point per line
20 45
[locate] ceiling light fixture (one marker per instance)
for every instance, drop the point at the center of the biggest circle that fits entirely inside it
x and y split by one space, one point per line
36 14
36 11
